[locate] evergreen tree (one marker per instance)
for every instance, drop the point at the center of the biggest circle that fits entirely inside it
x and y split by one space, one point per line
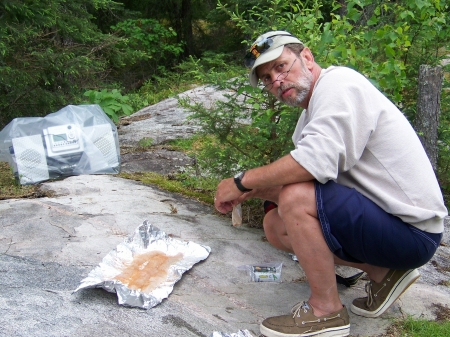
50 51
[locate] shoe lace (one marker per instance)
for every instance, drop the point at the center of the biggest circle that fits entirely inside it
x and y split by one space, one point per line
296 309
370 294
368 288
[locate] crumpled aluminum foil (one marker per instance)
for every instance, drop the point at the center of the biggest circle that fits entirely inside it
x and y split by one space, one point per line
146 238
240 333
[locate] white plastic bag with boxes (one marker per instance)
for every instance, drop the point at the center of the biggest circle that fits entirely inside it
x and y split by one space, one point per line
76 140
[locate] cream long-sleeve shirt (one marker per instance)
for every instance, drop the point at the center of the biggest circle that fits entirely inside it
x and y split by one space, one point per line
352 134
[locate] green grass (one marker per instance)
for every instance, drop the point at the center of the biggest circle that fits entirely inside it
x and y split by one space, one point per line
9 186
205 195
422 328
191 146
411 327
146 142
183 144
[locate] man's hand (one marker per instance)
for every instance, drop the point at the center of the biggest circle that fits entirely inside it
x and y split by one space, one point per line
227 195
265 181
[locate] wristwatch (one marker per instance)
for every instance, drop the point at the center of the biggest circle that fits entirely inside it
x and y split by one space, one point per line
238 181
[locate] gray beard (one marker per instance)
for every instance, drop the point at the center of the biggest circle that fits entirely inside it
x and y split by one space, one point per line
302 86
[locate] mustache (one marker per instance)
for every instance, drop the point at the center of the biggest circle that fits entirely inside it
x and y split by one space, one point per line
284 87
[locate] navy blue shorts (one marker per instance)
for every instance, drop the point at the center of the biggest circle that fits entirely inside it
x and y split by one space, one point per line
357 230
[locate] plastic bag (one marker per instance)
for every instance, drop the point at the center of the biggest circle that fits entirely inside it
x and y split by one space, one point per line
72 141
236 216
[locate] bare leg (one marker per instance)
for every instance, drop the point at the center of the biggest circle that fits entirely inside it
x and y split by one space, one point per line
297 209
276 232
324 293
375 273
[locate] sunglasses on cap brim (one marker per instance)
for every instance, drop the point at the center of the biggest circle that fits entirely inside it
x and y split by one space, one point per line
258 48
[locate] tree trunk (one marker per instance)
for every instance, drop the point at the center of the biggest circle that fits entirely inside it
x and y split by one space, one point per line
186 22
343 8
428 109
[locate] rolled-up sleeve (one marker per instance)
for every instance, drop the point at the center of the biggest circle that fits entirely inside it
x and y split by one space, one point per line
333 133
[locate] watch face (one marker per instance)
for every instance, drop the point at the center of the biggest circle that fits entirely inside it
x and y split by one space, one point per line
237 180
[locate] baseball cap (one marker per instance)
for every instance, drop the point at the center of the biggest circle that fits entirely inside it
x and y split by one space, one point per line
266 48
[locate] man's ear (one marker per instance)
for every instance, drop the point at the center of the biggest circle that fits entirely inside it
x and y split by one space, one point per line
308 57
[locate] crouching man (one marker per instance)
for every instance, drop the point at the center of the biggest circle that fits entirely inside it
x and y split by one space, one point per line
358 189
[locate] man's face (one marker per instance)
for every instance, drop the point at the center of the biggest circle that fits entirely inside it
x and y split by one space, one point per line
289 77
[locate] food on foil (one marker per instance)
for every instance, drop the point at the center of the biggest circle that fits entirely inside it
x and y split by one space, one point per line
144 268
147 271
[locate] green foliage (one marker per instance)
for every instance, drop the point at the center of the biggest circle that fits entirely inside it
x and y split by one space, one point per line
147 39
112 102
384 40
50 50
224 35
146 46
185 16
192 177
210 68
199 177
249 129
271 15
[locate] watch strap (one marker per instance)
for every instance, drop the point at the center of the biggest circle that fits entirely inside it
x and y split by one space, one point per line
238 182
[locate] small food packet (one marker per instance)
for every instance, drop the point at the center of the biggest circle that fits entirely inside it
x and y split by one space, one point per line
264 272
236 215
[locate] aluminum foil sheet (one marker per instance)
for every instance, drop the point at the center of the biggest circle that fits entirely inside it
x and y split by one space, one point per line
146 241
240 333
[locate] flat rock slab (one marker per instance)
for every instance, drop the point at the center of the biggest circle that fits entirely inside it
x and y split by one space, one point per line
49 245
166 120
160 161
158 124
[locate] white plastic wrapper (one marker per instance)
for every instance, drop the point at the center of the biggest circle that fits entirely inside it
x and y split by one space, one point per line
144 268
264 272
78 139
240 333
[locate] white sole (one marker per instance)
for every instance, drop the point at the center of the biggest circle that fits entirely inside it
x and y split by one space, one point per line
340 331
398 289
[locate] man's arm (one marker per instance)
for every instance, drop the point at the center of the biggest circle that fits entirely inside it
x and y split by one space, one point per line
265 181
284 171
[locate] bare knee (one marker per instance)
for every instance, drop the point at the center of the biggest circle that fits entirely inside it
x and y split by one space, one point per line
271 223
297 198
